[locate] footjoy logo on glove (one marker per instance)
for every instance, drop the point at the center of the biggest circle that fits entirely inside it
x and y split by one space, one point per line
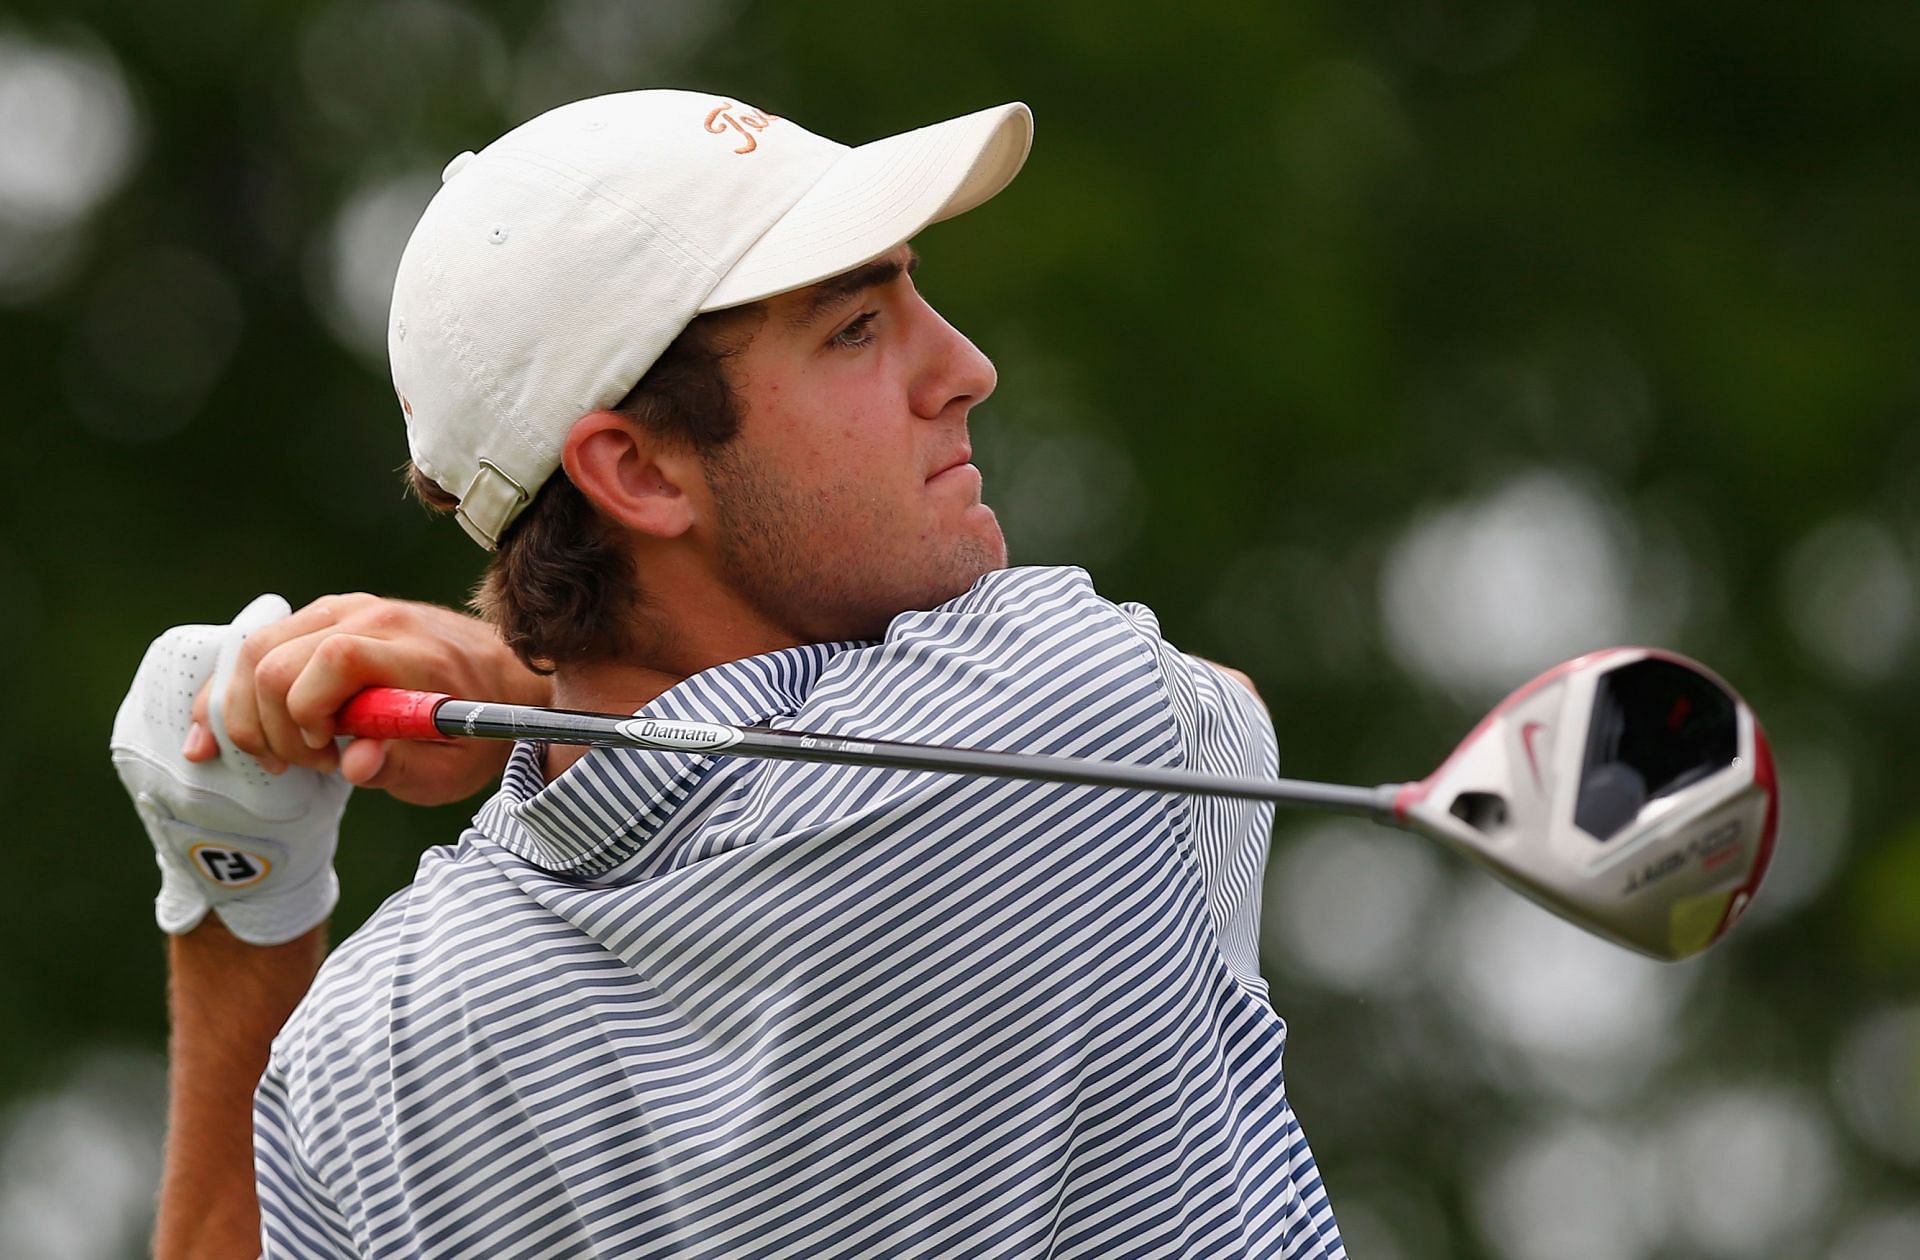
229 868
679 736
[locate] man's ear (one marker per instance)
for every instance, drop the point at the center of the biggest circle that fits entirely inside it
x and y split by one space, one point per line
630 475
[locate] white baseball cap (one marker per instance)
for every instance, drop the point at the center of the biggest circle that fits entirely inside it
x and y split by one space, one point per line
553 267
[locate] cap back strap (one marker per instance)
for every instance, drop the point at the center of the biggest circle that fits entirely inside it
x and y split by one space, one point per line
489 504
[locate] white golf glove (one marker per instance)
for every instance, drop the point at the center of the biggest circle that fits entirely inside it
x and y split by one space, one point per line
255 848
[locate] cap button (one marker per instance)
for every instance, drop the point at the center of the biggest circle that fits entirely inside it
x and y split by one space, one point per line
454 167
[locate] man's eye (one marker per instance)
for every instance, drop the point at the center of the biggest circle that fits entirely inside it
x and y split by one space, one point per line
856 334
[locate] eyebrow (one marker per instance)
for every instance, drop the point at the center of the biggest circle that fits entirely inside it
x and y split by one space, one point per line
834 290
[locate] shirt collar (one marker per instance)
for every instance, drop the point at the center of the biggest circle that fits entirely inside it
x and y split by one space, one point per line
613 802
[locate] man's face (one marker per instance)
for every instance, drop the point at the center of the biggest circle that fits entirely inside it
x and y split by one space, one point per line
848 495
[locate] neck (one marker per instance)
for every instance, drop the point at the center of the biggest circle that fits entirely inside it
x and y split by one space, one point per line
603 687
628 685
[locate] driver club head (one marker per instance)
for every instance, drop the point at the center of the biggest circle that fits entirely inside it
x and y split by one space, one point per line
1629 790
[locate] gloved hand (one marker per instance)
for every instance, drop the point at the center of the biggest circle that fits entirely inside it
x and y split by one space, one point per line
255 848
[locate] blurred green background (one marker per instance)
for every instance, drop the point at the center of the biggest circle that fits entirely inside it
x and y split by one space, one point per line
1392 350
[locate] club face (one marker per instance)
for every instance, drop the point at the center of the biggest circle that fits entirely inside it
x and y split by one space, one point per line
1629 790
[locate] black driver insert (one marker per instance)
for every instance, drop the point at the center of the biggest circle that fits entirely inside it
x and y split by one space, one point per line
1656 727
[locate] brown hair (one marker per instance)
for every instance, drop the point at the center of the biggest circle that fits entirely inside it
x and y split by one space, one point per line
561 586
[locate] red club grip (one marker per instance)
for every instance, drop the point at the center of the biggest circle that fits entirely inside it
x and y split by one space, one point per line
392 713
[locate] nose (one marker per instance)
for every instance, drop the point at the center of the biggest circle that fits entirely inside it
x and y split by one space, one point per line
953 374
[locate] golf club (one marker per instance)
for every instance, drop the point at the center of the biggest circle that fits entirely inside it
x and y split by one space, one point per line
1629 790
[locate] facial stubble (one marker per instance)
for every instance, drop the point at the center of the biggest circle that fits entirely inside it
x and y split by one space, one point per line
788 551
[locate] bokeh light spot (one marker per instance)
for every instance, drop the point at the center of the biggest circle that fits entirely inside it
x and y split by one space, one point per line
69 134
1071 498
79 1161
1877 1082
67 131
1349 905
352 274
1583 1018
1481 595
1572 1190
1749 1171
1848 594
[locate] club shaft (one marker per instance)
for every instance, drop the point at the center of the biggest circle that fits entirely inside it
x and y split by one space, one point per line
473 719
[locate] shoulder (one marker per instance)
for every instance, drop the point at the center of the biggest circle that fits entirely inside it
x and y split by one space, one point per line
1016 609
342 1023
349 992
1008 615
1023 646
1030 591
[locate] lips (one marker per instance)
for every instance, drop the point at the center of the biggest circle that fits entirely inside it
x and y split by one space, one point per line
960 460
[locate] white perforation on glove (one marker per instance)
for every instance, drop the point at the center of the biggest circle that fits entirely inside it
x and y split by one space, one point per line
255 848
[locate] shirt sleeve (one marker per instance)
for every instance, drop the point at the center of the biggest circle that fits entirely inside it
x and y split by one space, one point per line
298 1217
1224 729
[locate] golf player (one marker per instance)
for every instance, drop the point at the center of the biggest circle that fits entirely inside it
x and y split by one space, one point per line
662 354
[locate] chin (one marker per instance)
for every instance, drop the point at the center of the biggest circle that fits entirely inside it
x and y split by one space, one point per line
977 557
971 561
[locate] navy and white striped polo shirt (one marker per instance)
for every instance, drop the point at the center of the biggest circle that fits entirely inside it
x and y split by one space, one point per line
675 1005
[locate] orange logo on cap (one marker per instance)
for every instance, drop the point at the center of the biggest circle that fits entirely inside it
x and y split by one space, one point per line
719 122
